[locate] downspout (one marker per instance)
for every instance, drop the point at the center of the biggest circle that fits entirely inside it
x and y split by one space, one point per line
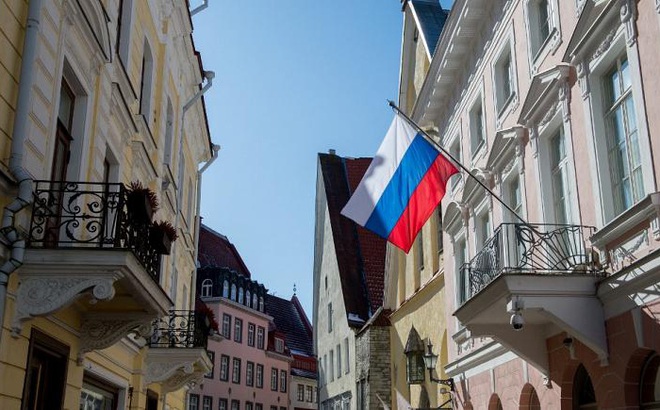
198 219
209 75
18 137
199 8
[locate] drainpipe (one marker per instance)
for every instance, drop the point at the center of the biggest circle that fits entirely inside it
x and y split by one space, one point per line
198 219
199 8
209 75
19 133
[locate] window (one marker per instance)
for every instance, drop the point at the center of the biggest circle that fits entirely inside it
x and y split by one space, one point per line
207 403
273 407
211 354
462 279
338 360
124 29
649 386
483 229
301 392
540 25
224 367
260 375
238 330
97 395
240 295
273 379
249 374
330 317
147 82
250 336
46 371
254 301
514 197
258 406
623 150
279 345
222 404
235 405
207 285
226 326
309 394
233 292
225 289
332 365
261 304
283 381
477 133
504 80
260 337
438 227
248 300
248 405
193 402
236 373
420 254
347 363
316 394
561 191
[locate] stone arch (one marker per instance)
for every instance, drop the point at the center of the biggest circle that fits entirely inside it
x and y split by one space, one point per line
582 393
529 399
495 403
632 377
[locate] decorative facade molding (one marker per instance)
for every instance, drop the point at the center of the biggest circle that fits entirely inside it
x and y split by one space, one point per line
176 367
605 44
582 69
41 295
100 331
627 14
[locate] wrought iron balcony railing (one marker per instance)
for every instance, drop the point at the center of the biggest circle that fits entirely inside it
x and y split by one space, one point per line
181 329
540 249
89 216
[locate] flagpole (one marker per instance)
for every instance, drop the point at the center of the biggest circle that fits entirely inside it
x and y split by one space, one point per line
455 161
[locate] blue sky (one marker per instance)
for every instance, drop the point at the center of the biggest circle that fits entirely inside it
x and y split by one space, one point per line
293 78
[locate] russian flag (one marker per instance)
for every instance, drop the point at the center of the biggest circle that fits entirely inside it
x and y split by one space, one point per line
402 187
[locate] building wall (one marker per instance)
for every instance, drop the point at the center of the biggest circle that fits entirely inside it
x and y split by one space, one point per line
219 389
66 47
326 341
309 401
373 365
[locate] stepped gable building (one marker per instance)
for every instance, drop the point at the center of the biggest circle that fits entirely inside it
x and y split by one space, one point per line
351 331
265 353
101 113
550 104
290 319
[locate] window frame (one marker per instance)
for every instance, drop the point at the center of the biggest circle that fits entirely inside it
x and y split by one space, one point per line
261 335
223 373
477 123
238 330
226 326
252 328
249 373
274 378
236 372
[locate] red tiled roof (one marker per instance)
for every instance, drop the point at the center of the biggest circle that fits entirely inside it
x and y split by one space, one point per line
215 250
360 253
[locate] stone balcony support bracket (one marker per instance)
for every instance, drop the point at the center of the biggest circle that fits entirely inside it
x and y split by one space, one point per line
173 368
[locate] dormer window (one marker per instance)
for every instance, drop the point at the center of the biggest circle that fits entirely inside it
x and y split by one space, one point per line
279 345
207 286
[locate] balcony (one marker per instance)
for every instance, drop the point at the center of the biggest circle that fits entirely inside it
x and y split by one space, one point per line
84 247
530 282
177 350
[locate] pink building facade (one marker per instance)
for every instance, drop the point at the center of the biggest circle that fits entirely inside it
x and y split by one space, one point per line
552 105
251 361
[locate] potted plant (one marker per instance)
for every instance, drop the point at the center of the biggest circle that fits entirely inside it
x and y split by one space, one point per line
142 202
161 236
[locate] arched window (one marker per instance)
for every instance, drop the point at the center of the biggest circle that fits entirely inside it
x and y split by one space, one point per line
495 403
261 304
233 292
649 384
529 399
225 289
583 390
207 287
254 301
248 301
414 351
240 295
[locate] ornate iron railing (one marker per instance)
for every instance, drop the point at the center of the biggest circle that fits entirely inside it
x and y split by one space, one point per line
541 249
89 215
181 329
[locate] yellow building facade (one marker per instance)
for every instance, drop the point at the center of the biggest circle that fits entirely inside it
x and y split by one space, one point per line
415 282
101 113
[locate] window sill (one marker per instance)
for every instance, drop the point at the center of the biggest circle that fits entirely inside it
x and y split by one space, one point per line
647 208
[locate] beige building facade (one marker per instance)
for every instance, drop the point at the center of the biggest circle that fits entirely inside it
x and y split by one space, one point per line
550 104
101 115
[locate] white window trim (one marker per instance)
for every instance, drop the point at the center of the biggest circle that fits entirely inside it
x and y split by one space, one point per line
591 82
550 45
506 107
481 148
460 236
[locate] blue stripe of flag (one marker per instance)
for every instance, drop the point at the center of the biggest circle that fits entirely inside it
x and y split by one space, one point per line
412 168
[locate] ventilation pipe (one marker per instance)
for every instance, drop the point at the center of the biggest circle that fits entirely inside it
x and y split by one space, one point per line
209 75
24 198
199 8
198 220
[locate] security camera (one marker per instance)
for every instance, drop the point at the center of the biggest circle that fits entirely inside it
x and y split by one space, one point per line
517 321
